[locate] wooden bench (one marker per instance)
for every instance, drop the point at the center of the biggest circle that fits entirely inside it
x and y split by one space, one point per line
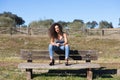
30 55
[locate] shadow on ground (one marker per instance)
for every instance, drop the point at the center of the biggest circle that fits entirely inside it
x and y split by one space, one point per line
102 72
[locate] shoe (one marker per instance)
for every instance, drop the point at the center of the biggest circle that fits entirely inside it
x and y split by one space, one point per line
66 63
52 63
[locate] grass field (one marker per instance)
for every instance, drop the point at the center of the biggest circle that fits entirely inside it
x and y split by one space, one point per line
108 50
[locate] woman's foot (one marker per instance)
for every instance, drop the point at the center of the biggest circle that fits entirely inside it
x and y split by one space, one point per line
52 62
66 63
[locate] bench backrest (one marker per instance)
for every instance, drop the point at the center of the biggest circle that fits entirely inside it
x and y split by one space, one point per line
87 55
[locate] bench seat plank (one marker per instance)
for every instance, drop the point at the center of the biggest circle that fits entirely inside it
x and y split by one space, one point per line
57 66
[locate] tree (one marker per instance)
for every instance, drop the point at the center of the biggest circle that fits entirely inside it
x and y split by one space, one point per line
110 25
6 21
64 24
33 24
78 20
92 24
47 22
119 22
16 19
42 23
105 24
77 24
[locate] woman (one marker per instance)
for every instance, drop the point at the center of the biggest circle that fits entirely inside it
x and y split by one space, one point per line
58 41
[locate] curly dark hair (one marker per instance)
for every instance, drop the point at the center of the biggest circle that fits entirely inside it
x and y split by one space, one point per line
52 32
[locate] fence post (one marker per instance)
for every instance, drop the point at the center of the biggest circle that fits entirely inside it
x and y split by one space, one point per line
29 31
11 29
102 32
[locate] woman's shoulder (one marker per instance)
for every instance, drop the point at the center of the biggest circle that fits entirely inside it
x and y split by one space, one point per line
64 34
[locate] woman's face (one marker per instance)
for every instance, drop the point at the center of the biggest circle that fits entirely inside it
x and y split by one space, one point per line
57 29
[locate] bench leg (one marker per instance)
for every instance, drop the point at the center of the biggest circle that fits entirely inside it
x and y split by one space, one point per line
29 74
89 74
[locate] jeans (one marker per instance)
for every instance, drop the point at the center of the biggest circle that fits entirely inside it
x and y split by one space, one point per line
53 48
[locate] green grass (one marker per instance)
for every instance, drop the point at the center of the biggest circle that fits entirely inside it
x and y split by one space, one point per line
108 51
13 73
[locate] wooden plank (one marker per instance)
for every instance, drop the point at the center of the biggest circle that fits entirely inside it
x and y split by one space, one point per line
44 54
57 66
59 58
72 52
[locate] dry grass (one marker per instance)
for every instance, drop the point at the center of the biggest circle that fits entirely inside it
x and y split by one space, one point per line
108 49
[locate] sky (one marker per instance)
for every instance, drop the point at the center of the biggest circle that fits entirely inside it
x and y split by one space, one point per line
64 10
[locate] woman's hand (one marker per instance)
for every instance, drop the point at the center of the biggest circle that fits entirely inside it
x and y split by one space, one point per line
57 44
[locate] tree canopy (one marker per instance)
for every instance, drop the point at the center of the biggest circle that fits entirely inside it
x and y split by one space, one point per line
7 17
105 24
92 24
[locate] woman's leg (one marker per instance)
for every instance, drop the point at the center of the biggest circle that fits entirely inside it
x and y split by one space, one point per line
67 50
52 48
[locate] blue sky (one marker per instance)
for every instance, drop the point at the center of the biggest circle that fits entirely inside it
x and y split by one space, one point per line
64 10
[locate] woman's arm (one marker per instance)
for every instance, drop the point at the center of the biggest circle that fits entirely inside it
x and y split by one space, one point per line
53 43
65 38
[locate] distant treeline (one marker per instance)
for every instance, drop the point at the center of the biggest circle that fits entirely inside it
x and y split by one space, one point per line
7 19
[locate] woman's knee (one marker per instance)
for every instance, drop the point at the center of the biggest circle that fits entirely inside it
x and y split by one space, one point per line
50 45
67 46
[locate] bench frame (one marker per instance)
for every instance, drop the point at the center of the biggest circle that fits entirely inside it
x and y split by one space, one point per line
31 55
